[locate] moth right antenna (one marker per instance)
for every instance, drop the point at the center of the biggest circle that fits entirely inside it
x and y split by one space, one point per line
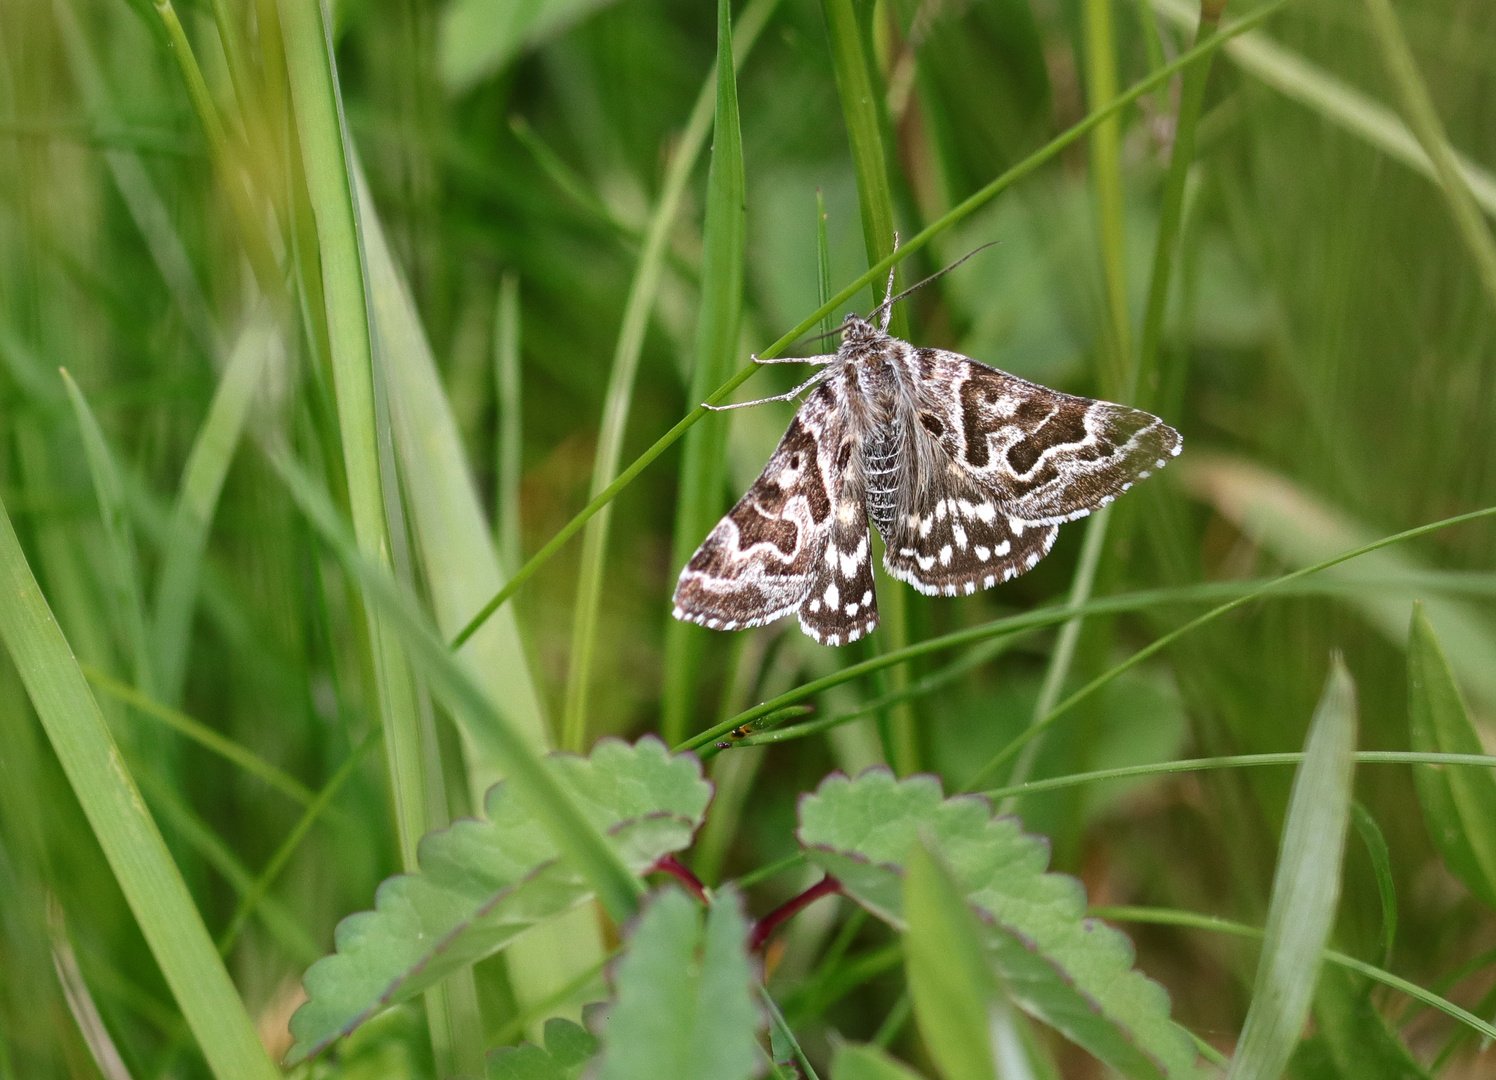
920 285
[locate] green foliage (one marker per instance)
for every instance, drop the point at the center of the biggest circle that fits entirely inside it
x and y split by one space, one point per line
284 250
1069 971
684 1009
1306 886
1459 807
483 883
568 1049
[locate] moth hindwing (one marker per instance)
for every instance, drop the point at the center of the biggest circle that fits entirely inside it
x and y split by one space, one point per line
966 471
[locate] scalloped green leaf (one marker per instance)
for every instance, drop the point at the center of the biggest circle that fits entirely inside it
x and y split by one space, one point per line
1072 972
568 1049
482 883
683 1004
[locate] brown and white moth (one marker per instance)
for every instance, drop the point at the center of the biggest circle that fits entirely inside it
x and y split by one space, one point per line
967 472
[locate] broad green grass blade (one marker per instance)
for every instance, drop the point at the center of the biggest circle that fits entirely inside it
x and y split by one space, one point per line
702 468
509 456
124 562
1423 117
1290 74
457 553
477 38
1459 805
954 990
619 395
452 682
373 490
1299 529
197 499
878 270
1306 886
684 1007
865 1062
152 886
860 100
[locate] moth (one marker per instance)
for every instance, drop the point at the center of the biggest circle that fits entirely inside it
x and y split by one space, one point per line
966 471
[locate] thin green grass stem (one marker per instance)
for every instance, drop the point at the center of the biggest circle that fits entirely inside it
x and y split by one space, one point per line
1163 642
1052 616
262 884
1063 655
131 843
1423 118
1232 761
878 270
510 442
619 395
786 1032
201 734
1190 920
1145 375
1106 176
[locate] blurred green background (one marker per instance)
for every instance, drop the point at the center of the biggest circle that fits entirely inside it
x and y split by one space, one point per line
1328 351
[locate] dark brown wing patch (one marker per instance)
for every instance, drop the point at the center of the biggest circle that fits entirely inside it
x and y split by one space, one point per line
758 563
841 605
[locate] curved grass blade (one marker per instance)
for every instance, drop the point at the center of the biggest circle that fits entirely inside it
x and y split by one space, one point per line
1381 866
1459 805
482 883
124 562
1295 77
131 842
202 481
878 270
1306 886
866 1062
702 468
1072 973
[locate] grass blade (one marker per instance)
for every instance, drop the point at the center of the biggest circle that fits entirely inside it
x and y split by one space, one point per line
702 469
1429 129
1113 367
202 482
1293 76
124 563
373 491
1381 866
1306 886
1459 806
508 385
152 886
620 390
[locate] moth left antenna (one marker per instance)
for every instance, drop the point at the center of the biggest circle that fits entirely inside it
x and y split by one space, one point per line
887 306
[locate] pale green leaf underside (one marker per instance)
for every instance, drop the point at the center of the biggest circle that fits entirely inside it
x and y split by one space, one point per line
484 882
1071 972
684 1007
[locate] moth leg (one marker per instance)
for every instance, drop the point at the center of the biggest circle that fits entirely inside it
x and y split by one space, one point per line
806 385
819 361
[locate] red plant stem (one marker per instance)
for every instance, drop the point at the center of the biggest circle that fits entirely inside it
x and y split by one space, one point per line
669 864
770 922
